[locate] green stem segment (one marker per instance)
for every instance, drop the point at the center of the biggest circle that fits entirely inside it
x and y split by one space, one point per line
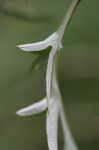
68 17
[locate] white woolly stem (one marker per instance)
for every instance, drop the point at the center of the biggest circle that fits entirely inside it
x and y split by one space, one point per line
52 124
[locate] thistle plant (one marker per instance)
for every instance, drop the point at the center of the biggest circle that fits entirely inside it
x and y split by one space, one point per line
52 102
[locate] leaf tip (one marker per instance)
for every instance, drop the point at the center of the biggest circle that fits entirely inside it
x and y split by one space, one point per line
20 113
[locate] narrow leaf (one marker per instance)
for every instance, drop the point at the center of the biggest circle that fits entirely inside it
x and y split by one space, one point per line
69 143
33 109
38 46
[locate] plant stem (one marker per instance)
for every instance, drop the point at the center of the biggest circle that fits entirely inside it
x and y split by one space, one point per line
68 17
69 143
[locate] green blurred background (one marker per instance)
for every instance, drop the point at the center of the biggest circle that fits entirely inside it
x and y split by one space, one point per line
22 74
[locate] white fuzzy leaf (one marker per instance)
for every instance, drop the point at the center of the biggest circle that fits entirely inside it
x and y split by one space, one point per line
38 46
33 109
69 143
52 39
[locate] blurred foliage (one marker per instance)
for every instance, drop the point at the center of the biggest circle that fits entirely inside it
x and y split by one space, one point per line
22 74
